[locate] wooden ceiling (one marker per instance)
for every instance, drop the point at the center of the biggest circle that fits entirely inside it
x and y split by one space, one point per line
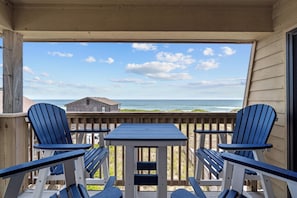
143 2
138 20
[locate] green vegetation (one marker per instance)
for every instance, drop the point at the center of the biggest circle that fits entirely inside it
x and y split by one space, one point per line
199 110
156 110
234 110
138 110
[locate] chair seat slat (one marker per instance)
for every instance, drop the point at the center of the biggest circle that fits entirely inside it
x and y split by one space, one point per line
212 160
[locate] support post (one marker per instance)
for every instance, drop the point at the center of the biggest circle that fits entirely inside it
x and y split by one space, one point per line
12 72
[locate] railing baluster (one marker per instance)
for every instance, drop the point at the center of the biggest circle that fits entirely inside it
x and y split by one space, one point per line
179 169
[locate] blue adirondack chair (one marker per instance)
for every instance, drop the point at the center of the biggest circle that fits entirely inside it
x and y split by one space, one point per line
249 138
17 173
236 166
50 126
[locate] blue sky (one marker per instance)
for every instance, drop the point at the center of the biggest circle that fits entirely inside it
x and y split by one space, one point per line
134 70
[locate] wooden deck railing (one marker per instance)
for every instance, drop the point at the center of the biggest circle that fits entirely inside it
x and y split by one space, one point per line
181 160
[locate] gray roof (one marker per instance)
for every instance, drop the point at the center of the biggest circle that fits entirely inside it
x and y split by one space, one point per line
104 100
98 99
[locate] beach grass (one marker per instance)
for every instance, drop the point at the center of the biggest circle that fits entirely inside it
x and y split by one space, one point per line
199 110
139 110
156 110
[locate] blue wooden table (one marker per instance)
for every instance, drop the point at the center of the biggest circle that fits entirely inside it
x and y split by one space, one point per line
146 135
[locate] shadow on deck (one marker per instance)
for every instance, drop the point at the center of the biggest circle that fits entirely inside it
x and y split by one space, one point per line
141 194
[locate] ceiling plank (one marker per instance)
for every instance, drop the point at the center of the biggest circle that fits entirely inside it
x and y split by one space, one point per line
143 18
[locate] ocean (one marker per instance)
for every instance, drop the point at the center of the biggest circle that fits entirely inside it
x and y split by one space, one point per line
168 105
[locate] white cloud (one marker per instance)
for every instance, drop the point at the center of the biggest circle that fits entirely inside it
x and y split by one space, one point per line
158 70
60 54
36 78
109 60
28 70
228 51
134 81
45 74
220 83
190 50
178 58
170 76
208 64
144 46
90 59
83 44
208 51
1 65
153 67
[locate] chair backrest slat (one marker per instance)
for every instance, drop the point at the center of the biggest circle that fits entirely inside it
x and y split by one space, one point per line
253 125
49 123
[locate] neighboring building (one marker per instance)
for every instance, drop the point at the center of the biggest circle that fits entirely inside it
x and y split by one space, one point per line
93 104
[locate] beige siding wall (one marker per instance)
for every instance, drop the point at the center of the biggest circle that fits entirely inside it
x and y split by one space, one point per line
268 80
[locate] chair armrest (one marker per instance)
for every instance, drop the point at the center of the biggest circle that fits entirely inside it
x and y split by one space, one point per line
41 163
110 182
198 191
182 193
212 131
262 167
237 147
62 147
90 131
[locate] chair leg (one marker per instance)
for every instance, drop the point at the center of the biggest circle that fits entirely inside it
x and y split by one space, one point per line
105 170
14 185
265 181
42 177
227 178
266 185
198 170
237 179
292 188
105 163
199 165
79 168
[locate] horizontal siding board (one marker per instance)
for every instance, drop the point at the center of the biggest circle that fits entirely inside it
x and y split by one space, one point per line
277 134
268 84
272 48
278 105
268 95
278 188
269 73
276 157
278 143
281 121
274 60
269 39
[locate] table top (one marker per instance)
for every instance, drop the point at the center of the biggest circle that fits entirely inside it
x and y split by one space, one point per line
146 132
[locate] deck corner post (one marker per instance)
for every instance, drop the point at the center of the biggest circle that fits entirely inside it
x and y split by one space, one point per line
12 72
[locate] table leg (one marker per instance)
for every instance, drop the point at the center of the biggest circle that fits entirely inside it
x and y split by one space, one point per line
129 172
162 171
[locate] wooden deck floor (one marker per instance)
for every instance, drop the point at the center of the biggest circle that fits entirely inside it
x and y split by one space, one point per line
142 194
